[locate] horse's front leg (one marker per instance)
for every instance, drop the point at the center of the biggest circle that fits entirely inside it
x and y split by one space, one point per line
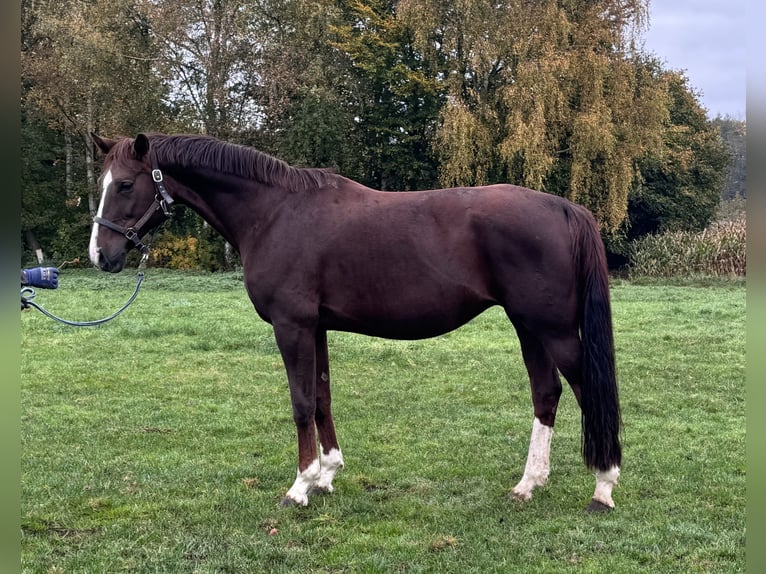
332 457
298 348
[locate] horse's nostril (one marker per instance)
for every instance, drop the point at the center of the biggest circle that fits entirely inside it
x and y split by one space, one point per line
111 264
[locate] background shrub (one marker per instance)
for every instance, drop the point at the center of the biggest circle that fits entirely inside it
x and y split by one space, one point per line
718 251
186 252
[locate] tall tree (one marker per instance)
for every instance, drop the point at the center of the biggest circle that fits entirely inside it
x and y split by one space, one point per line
545 94
306 118
404 94
392 95
681 184
734 134
86 65
209 58
44 200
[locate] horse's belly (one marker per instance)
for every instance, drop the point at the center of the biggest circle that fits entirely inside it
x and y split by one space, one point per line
403 318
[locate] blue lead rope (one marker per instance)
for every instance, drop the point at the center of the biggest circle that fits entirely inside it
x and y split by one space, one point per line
27 294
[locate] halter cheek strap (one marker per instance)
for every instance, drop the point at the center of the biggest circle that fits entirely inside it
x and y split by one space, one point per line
164 198
162 201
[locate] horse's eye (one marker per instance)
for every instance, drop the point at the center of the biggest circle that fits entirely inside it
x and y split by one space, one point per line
125 186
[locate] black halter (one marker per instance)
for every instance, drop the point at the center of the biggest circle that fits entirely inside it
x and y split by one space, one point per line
162 201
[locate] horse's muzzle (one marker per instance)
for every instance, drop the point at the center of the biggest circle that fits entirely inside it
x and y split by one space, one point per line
113 264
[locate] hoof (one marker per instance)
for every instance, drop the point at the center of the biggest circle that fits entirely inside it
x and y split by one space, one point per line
288 502
319 491
597 506
520 494
520 497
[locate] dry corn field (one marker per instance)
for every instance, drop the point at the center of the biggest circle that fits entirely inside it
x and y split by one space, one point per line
718 251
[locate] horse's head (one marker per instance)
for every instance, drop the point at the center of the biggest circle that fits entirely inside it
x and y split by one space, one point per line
133 201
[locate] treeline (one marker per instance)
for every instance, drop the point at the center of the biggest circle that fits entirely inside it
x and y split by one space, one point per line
400 95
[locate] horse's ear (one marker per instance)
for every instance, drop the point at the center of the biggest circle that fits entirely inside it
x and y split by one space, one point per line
141 146
103 144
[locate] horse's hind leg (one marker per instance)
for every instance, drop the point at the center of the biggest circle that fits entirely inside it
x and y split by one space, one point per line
566 351
546 390
331 455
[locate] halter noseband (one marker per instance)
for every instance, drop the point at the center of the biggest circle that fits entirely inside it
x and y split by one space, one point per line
162 200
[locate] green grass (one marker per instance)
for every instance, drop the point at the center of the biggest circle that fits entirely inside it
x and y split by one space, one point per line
163 441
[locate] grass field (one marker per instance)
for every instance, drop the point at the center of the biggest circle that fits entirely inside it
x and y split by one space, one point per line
163 441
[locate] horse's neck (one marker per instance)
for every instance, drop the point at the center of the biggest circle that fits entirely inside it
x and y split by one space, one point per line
223 202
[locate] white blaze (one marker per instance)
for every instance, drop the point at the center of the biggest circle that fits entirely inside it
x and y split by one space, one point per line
93 247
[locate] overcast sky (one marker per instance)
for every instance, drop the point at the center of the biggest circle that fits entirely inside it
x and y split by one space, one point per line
706 39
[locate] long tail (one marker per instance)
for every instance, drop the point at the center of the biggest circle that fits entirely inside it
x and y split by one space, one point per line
601 420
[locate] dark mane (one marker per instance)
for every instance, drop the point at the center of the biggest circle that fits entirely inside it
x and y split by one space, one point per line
208 152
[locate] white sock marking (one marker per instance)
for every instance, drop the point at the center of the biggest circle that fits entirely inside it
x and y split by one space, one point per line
93 247
303 482
332 462
605 481
538 461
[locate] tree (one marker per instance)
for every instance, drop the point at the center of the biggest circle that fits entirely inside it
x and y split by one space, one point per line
734 135
209 58
85 66
302 93
343 86
681 184
44 203
543 94
402 95
393 97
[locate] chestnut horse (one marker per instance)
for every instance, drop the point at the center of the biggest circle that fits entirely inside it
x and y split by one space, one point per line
321 252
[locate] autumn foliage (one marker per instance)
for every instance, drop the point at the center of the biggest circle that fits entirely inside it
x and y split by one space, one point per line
399 95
